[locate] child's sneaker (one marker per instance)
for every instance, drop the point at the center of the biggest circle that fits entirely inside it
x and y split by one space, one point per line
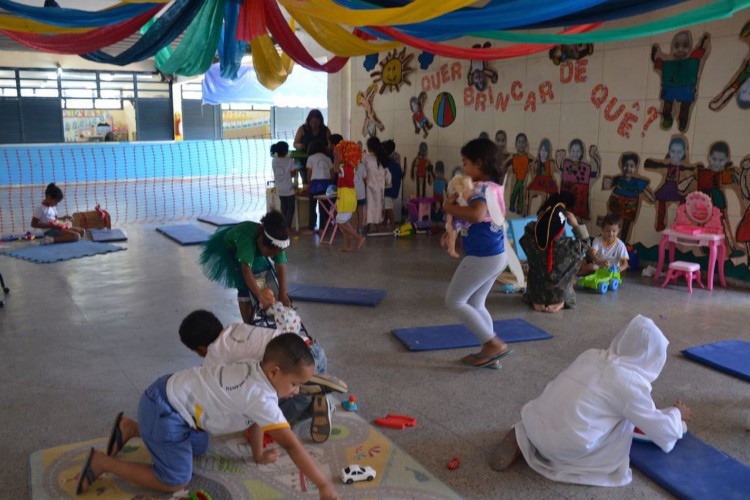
320 426
323 383
47 240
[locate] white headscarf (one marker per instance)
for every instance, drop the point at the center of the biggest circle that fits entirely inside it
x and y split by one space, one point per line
641 347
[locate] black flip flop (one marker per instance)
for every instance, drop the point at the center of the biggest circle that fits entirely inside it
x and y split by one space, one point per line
115 436
486 361
86 473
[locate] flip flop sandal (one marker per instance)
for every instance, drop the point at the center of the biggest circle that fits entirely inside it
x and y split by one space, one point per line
320 426
484 360
506 453
115 437
86 473
323 383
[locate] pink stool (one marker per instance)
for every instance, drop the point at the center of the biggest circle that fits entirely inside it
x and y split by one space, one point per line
690 270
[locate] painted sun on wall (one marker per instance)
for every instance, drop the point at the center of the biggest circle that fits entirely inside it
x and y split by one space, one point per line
394 71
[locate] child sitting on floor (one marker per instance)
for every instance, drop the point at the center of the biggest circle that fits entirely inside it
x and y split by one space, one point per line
45 217
607 250
177 413
581 427
202 332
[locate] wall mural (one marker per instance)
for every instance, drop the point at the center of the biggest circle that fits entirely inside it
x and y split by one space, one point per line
444 109
541 173
675 185
418 118
422 170
576 174
479 72
561 53
680 74
713 180
739 85
371 123
743 228
394 71
628 189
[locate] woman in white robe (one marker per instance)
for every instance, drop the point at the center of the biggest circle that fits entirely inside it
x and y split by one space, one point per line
580 429
375 182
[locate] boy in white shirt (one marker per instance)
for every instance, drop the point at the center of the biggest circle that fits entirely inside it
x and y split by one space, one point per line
607 250
202 332
178 412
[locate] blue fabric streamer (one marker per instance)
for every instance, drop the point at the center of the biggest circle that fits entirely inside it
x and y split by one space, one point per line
230 50
74 18
166 28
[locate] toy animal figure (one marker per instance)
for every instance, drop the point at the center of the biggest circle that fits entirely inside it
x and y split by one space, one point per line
463 186
418 117
680 76
423 169
479 72
372 123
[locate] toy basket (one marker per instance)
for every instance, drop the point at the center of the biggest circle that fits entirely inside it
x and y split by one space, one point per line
93 219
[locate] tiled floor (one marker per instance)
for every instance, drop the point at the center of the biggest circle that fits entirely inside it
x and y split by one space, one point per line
79 341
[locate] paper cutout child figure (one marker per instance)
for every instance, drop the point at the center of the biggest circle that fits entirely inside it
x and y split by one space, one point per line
518 165
627 191
743 228
464 186
712 180
439 187
372 123
576 174
679 76
418 117
542 182
740 81
675 185
561 53
423 169
501 139
479 72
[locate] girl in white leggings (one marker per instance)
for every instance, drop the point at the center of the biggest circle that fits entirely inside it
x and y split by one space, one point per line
484 246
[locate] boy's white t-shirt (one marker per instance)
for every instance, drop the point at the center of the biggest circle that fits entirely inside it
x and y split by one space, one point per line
282 176
321 166
45 214
615 254
226 398
239 342
359 181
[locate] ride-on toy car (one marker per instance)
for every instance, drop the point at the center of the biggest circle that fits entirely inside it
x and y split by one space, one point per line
356 472
602 280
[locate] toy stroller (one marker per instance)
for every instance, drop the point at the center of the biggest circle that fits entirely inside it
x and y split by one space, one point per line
6 290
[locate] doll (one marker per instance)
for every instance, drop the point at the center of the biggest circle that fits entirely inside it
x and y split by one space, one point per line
464 187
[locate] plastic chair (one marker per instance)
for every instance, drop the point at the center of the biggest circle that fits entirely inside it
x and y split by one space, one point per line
690 270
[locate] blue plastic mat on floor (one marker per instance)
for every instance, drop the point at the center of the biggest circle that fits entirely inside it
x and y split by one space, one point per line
333 295
184 234
16 236
218 220
434 338
729 356
103 235
693 469
44 254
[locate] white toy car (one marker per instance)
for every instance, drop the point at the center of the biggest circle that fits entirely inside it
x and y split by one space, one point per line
357 473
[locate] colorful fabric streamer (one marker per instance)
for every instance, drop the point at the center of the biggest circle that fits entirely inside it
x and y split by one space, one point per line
74 18
80 43
166 28
231 51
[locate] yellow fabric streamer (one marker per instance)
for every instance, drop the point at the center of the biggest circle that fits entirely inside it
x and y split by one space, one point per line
15 23
415 12
338 40
271 68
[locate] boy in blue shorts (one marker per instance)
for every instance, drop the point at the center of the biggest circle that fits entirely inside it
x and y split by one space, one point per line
178 412
202 332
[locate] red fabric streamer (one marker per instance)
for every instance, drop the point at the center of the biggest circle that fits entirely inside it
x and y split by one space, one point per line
441 49
251 22
83 43
290 44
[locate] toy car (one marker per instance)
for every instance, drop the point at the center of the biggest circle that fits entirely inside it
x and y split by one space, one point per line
602 280
356 472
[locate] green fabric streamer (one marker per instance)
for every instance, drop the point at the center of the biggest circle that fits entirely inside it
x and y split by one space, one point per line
718 10
195 53
165 52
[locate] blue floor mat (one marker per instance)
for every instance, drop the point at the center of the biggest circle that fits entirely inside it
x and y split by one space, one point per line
729 356
104 235
333 295
693 469
184 234
44 254
433 338
218 220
